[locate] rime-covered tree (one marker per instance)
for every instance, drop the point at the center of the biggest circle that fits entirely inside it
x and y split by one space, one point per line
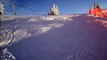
54 10
1 8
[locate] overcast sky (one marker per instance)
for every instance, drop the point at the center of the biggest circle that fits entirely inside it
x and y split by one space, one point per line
37 7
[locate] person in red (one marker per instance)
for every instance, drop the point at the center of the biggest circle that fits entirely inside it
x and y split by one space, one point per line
91 11
97 10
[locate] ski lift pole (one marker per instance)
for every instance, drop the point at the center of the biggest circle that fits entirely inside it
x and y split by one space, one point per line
13 7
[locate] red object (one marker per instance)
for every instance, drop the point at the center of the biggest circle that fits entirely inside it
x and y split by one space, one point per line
98 12
104 11
91 11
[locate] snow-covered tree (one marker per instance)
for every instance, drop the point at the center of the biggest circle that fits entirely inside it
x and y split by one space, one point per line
57 10
1 9
54 10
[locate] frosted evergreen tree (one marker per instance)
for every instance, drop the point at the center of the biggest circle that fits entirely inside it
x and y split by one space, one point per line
1 9
54 10
57 10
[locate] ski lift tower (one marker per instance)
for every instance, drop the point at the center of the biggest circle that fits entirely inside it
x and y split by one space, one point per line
13 7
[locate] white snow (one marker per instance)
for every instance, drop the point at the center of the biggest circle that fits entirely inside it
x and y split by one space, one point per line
65 37
26 26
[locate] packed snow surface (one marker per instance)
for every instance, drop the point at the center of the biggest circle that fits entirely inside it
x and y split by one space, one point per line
66 37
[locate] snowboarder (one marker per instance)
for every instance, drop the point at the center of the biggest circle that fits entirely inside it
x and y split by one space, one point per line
1 9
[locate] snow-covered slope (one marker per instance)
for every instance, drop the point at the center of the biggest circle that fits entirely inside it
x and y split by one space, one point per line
26 26
66 37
